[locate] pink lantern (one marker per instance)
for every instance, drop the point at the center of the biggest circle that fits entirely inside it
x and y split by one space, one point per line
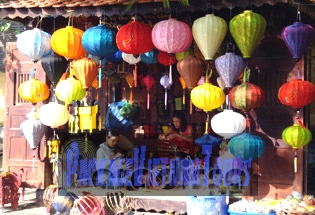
148 81
132 60
166 83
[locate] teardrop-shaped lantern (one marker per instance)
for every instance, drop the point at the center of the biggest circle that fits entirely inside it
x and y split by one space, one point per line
171 36
166 83
134 38
34 91
150 57
99 41
228 123
130 82
247 29
297 38
229 66
296 93
33 130
69 90
191 69
67 42
34 44
209 32
148 81
54 66
207 96
86 71
53 114
247 146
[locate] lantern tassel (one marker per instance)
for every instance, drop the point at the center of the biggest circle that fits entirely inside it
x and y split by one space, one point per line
135 75
100 75
165 99
247 122
171 76
184 97
207 123
130 95
190 107
148 100
295 160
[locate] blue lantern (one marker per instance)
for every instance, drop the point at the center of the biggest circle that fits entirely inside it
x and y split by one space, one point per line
34 43
247 146
150 57
115 58
208 139
99 41
229 67
297 38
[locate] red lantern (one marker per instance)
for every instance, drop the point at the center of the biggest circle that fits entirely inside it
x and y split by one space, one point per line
148 81
134 38
296 93
86 71
167 59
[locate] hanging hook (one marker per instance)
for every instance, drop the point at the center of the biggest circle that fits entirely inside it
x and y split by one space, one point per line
298 15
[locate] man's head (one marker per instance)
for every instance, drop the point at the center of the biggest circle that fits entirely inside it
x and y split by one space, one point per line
112 137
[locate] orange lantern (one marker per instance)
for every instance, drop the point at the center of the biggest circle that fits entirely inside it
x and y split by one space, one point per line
130 82
67 42
134 38
34 91
184 86
86 71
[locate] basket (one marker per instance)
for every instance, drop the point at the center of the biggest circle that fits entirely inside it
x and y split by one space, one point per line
204 205
246 213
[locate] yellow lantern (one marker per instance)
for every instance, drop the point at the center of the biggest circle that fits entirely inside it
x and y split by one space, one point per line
69 90
34 91
67 42
247 29
209 32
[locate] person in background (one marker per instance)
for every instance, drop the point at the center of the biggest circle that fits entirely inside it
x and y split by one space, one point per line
181 134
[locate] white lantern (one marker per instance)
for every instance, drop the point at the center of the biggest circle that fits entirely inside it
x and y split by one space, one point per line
53 114
228 123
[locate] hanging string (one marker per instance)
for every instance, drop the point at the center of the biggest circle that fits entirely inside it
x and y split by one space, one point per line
39 22
298 14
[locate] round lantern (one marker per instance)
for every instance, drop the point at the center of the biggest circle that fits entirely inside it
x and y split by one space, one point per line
34 91
49 194
115 58
296 93
209 32
148 81
63 201
296 136
134 38
191 69
229 67
99 41
67 42
34 43
228 123
166 59
69 90
54 66
86 71
247 29
171 36
297 38
247 146
53 114
87 204
132 60
150 57
33 130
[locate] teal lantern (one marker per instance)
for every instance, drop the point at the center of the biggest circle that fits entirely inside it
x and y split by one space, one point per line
99 41
150 57
247 146
34 44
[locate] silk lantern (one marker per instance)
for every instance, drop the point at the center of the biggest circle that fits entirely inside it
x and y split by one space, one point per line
296 93
228 123
229 66
183 54
247 146
150 57
67 42
167 59
209 32
208 139
132 60
134 38
69 90
53 114
54 66
33 91
148 81
166 83
34 44
99 41
207 97
184 86
297 38
296 136
247 29
130 82
86 70
115 58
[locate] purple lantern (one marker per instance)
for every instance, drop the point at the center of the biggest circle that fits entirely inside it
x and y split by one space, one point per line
297 38
229 67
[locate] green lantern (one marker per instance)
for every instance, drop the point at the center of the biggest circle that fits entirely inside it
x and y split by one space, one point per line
247 29
296 136
69 90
